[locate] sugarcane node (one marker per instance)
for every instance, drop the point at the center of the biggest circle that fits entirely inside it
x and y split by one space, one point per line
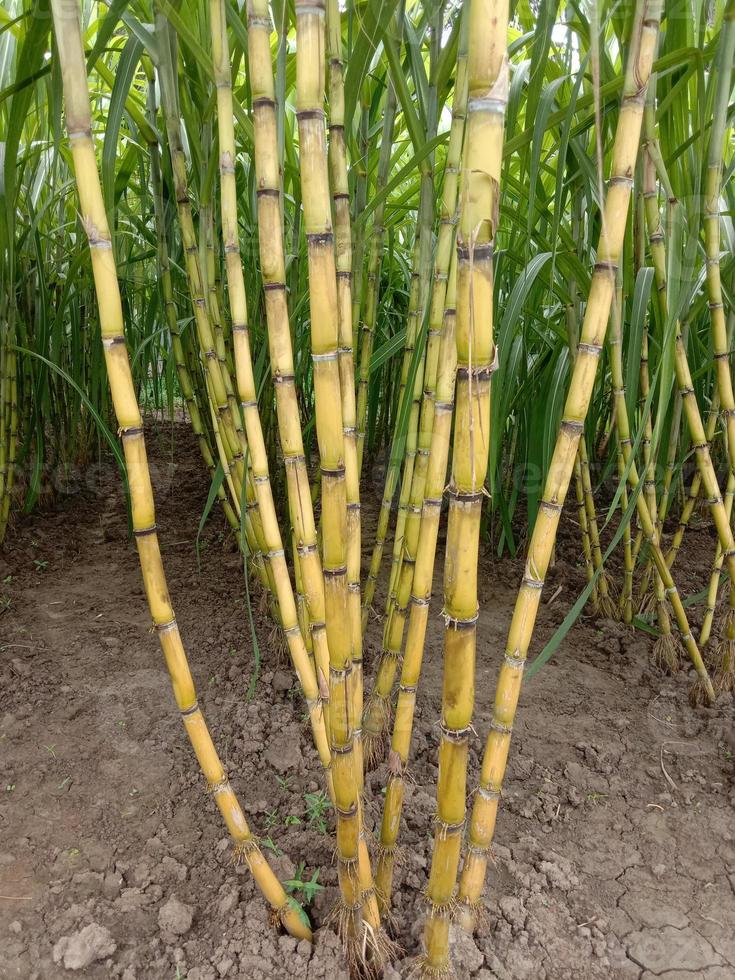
464 496
243 849
459 623
500 727
477 252
593 350
335 573
445 909
456 735
218 786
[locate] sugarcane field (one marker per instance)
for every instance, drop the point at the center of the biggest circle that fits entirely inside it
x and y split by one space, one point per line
367 465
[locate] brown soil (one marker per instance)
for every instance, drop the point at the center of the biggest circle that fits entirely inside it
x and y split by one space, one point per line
615 852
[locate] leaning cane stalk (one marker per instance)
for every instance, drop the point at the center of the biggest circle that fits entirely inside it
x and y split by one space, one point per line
403 444
597 315
695 486
725 654
712 590
615 344
572 334
219 385
169 304
700 444
602 594
246 385
421 417
666 648
487 77
79 126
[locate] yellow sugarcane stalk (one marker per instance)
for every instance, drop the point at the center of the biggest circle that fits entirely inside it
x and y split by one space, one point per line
700 444
273 271
362 936
487 77
420 598
246 385
67 28
337 158
378 709
602 288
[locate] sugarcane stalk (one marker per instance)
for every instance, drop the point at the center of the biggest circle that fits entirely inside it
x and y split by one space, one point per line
360 167
420 596
487 77
712 590
725 653
421 419
246 386
666 649
378 710
597 314
337 160
698 435
603 601
169 306
361 937
273 271
219 384
403 446
70 51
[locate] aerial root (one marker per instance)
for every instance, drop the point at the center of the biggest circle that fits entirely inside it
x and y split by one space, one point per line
471 916
699 693
646 603
375 744
729 621
398 854
666 653
607 606
278 643
368 950
423 970
724 678
243 849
